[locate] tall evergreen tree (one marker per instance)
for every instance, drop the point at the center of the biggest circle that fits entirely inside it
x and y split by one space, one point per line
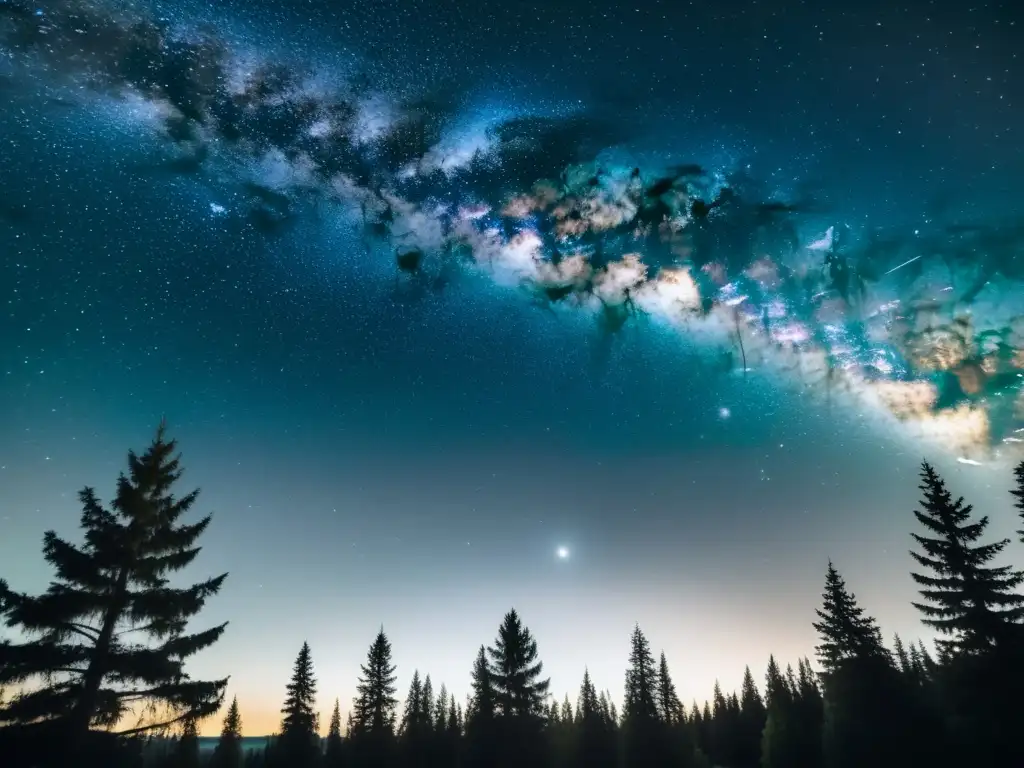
669 707
375 706
643 732
965 599
515 671
752 721
519 692
845 631
108 637
595 735
228 753
1018 493
480 715
186 750
299 744
641 701
334 753
902 658
427 701
441 710
412 713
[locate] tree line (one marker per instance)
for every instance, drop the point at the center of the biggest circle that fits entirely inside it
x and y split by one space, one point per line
97 676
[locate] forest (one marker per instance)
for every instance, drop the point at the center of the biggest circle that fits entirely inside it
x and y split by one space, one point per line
92 671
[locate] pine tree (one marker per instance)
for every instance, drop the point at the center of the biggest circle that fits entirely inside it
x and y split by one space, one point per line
334 754
441 710
722 733
845 631
186 751
109 635
480 715
808 719
298 746
515 671
411 715
427 701
595 735
566 713
974 604
228 753
641 681
669 707
519 692
416 728
901 655
375 706
452 737
777 738
1018 493
752 721
644 735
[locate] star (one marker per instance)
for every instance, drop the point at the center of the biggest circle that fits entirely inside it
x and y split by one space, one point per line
563 553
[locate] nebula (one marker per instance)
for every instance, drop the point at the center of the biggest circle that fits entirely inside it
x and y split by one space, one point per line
925 327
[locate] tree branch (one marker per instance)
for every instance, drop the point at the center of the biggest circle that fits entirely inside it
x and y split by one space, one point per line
83 630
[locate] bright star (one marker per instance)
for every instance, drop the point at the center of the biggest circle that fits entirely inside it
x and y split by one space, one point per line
563 553
724 413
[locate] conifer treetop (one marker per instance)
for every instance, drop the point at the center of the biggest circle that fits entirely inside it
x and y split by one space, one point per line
641 680
846 632
969 601
375 703
1018 493
514 671
300 702
111 623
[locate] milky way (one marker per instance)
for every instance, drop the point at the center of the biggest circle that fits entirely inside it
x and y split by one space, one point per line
923 326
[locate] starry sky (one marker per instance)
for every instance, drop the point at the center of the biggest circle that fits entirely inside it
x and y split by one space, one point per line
405 282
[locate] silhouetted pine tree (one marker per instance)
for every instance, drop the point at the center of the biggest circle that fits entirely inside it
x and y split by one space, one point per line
845 631
779 736
752 720
809 708
721 733
519 693
228 753
698 729
561 732
643 734
186 751
974 604
902 658
594 743
669 707
869 715
374 708
416 729
427 702
334 755
480 716
451 738
299 744
1018 493
707 735
441 709
110 631
978 609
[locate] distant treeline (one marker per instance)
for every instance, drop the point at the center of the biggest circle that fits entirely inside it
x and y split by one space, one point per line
101 681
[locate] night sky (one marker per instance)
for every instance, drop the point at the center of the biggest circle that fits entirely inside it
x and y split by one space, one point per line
200 212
